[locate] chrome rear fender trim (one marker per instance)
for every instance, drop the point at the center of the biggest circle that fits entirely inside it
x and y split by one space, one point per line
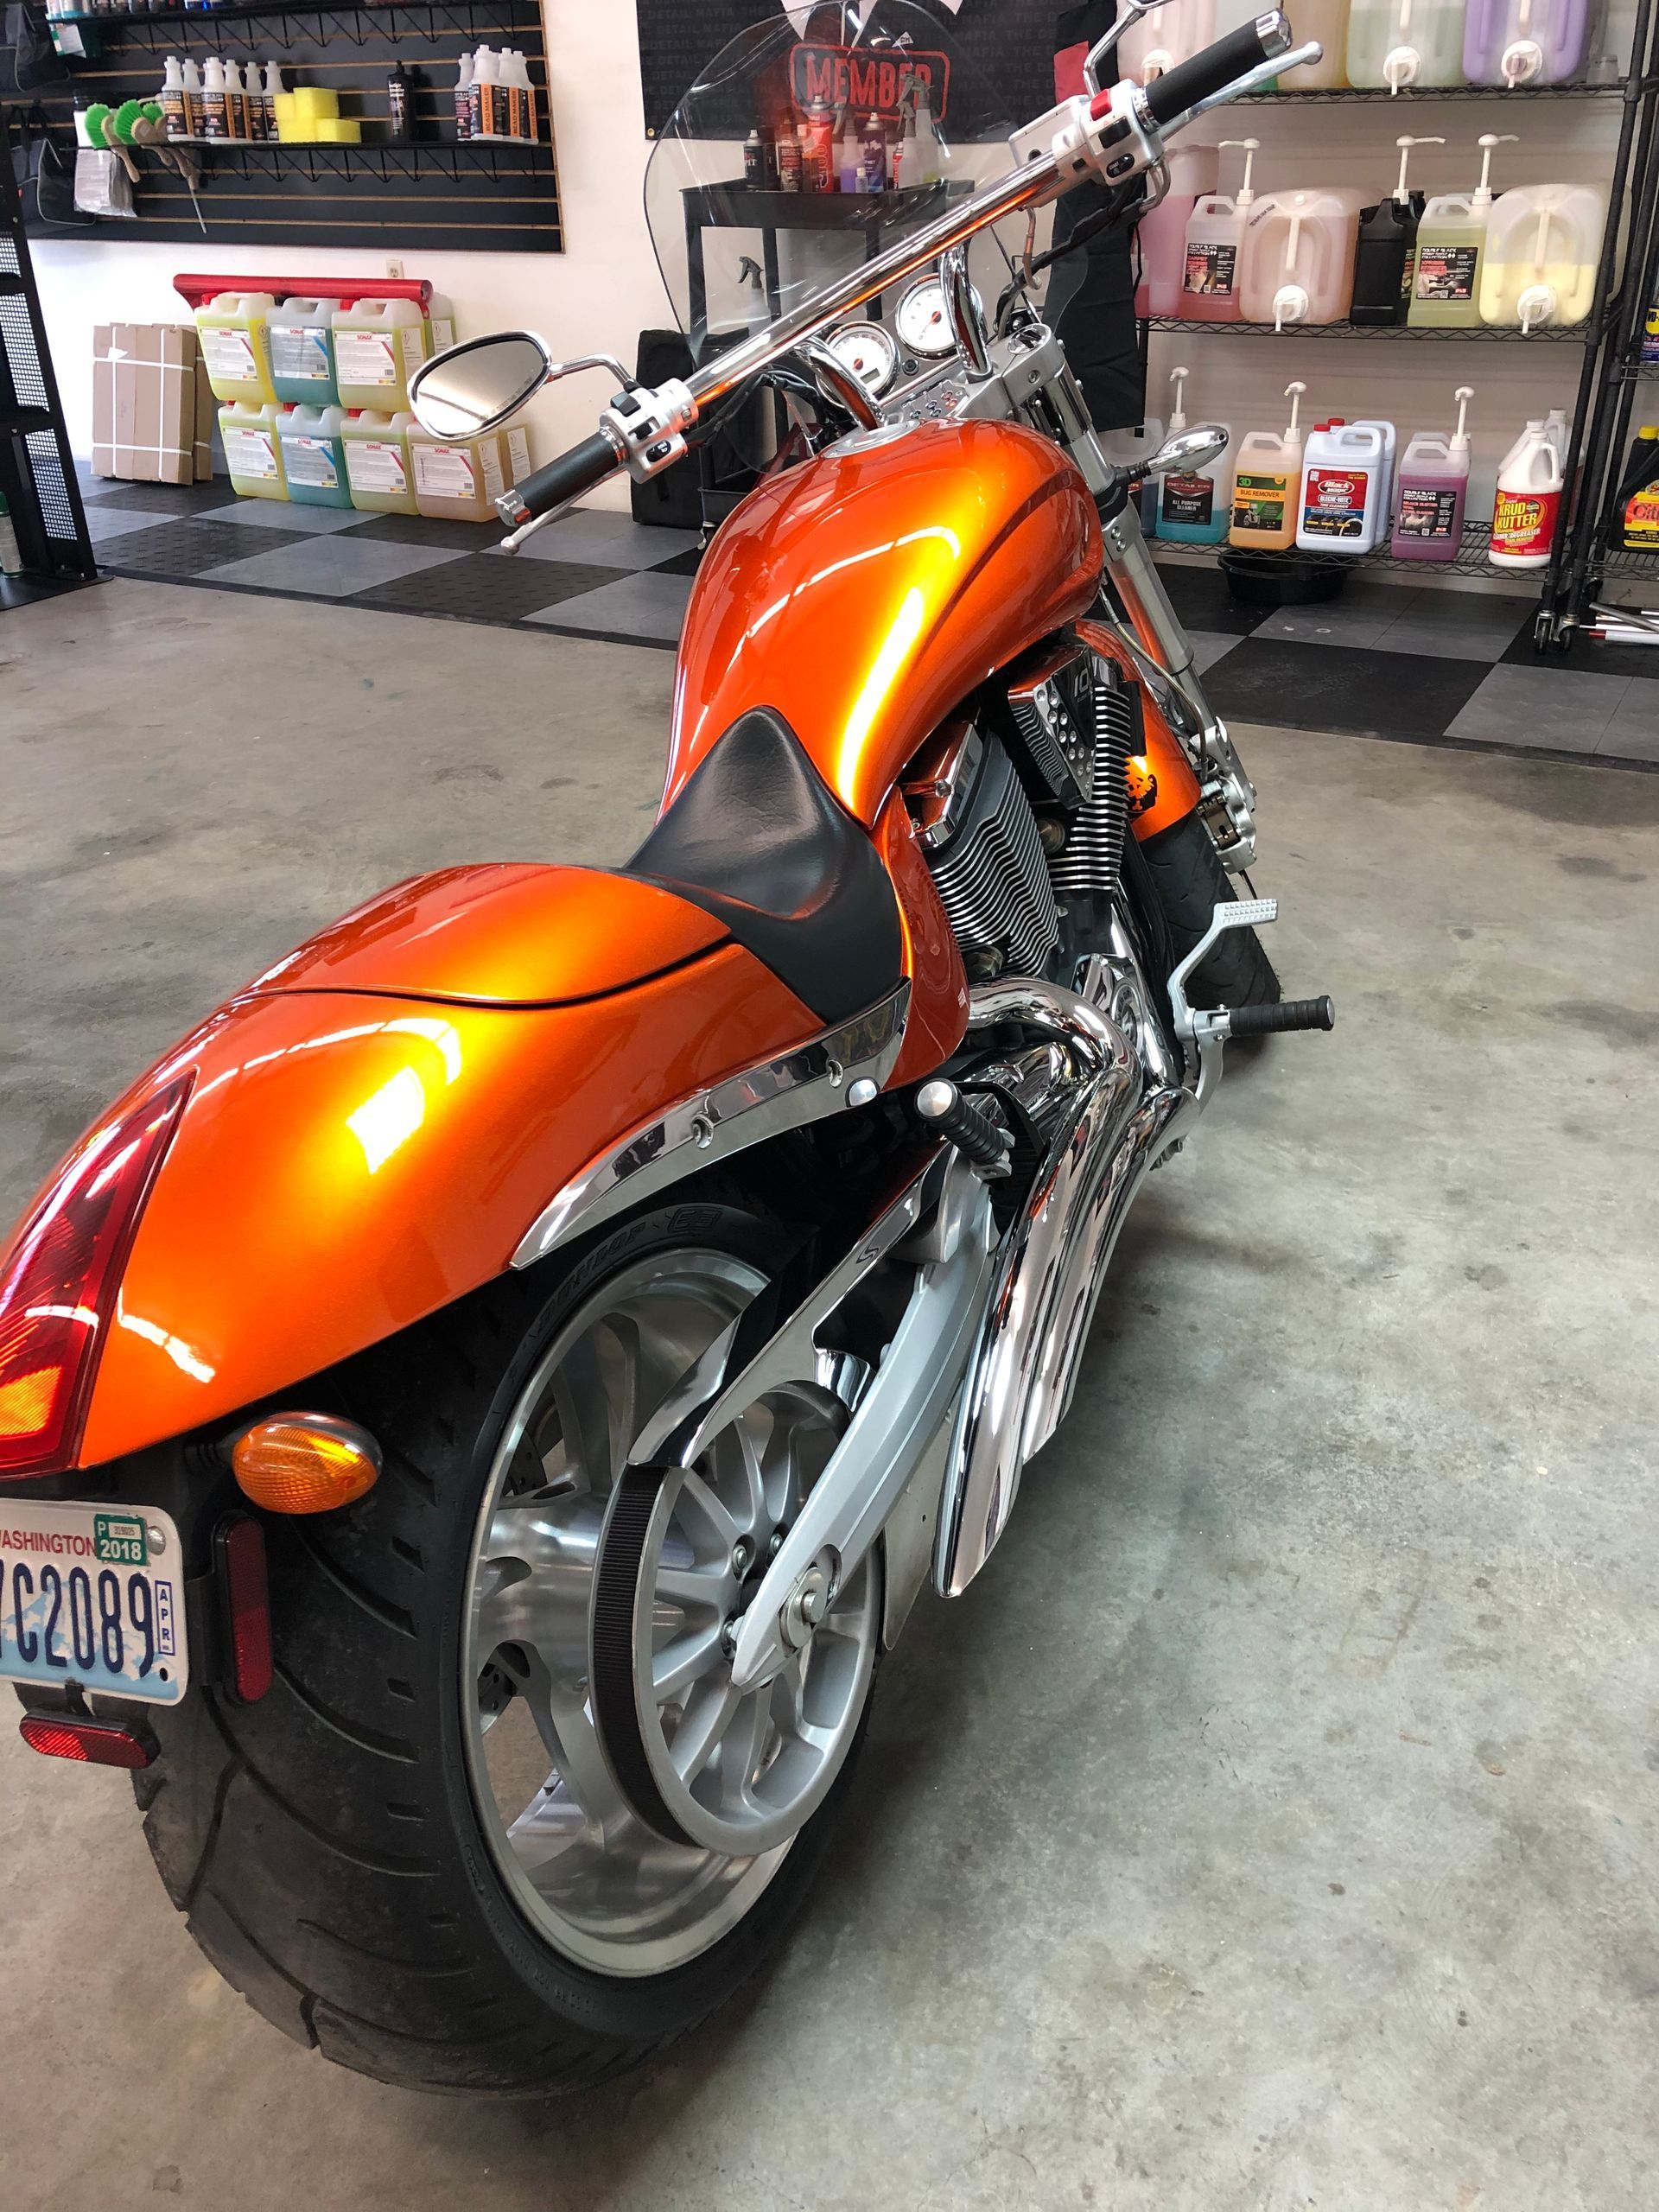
805 1085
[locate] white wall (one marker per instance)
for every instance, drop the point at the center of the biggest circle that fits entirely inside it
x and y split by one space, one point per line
595 296
605 287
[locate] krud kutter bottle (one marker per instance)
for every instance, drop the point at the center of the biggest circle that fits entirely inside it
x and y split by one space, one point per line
1268 484
1211 286
1524 41
1385 258
1192 508
1450 240
1528 501
1161 233
1434 488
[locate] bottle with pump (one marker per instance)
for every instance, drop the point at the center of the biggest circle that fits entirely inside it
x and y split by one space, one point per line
1450 244
1192 508
1394 44
1268 486
1161 233
1385 257
1528 502
1636 511
1326 21
1212 279
1433 491
1298 263
1172 32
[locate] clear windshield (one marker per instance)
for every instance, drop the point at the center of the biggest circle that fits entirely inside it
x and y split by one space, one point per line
807 146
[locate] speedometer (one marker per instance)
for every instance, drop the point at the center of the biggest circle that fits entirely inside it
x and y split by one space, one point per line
923 321
869 352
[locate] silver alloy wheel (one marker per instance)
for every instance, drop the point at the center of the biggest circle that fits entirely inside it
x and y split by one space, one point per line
594 1881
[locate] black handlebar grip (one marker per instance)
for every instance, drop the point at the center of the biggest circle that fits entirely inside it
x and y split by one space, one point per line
1290 1014
574 473
1218 65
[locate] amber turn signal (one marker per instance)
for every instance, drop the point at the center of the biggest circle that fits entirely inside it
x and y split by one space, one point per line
305 1462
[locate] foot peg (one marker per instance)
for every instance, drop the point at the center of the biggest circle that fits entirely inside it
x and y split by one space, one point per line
1291 1013
974 1134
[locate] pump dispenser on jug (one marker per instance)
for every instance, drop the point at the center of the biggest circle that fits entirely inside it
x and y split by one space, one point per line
1434 488
1193 507
1385 258
1450 244
1268 484
1211 281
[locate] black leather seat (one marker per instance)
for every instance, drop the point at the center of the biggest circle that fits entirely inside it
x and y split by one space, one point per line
756 839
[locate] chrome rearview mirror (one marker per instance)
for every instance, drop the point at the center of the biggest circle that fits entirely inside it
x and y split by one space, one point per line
478 385
1129 11
1187 450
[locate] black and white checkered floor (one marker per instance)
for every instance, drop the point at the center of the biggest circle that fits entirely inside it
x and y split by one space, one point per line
1387 660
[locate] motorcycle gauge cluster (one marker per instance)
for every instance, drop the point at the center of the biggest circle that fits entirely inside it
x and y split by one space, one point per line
869 351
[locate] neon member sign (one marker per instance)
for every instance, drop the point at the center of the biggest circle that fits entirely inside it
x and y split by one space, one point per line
868 83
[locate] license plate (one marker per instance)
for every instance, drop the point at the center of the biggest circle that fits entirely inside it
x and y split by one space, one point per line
94 1595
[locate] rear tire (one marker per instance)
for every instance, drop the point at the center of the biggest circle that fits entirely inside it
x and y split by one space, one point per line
1191 882
328 1844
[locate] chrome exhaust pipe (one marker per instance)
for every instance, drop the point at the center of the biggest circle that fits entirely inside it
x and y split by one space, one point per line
1049 1267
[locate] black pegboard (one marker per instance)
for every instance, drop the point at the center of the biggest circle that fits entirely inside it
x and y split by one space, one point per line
1010 42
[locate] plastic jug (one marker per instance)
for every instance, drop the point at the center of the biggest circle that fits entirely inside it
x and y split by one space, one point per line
1434 489
379 345
1326 21
1161 237
1525 42
1397 42
1155 43
1450 244
1298 257
1215 248
379 470
463 478
1385 257
1191 507
253 453
1345 486
314 460
1528 501
233 330
1268 483
302 352
1542 245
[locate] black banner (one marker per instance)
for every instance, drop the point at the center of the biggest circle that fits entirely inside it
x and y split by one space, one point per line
1008 43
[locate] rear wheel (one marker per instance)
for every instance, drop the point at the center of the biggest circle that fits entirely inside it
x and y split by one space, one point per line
416 1852
1191 882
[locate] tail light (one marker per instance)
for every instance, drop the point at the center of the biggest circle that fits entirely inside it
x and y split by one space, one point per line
94 1743
58 1283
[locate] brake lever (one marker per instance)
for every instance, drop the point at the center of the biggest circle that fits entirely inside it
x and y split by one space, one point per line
516 538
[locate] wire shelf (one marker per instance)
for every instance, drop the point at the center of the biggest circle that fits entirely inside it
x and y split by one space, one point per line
1343 93
1472 559
1582 333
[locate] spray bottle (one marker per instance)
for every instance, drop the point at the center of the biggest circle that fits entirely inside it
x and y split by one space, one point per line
1434 488
1385 260
1268 484
1193 507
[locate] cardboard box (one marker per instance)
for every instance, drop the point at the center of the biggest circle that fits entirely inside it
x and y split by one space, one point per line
144 402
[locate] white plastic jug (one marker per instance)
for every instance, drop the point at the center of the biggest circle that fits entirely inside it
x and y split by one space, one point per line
379 468
1161 237
302 352
1542 245
1345 481
1525 42
1528 501
1394 44
1298 257
379 345
254 452
1155 43
234 332
1214 248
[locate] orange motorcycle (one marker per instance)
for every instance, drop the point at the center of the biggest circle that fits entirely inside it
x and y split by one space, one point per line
474 1416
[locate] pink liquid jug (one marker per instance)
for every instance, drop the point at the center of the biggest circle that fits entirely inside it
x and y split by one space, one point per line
1524 41
1161 237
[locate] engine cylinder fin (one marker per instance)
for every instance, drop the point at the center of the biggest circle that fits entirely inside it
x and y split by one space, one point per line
993 879
1093 858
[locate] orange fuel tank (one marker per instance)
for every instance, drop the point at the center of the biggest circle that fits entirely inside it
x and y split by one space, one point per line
863 594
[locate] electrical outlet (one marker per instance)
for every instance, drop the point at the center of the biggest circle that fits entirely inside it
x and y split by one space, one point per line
394 268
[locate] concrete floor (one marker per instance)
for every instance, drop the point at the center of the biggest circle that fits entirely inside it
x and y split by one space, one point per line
1274 1825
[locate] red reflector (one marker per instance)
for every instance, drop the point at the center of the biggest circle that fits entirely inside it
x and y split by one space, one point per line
95 1742
241 1546
58 1281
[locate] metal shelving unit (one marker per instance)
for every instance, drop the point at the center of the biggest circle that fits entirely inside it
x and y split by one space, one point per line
37 471
1615 311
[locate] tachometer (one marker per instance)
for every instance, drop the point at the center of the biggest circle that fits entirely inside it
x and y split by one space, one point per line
923 321
868 351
